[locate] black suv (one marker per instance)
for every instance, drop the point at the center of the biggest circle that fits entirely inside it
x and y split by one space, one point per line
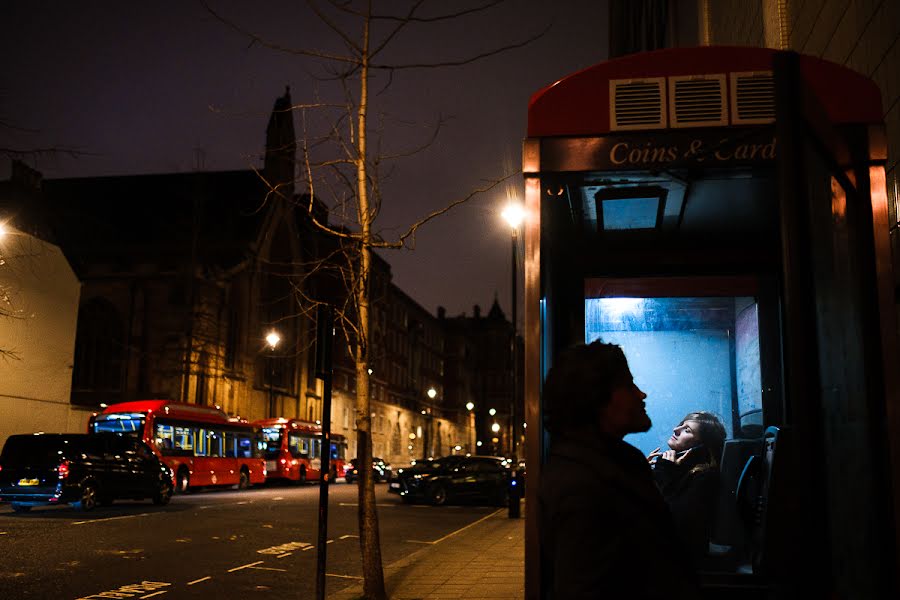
83 469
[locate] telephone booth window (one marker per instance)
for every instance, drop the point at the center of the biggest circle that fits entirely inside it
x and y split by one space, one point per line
687 354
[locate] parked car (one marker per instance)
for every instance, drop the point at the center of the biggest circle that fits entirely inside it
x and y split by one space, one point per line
454 478
381 470
81 469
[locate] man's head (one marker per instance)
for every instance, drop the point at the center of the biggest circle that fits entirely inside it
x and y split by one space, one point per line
591 385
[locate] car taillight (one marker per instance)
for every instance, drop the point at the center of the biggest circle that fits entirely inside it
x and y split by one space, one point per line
63 469
283 461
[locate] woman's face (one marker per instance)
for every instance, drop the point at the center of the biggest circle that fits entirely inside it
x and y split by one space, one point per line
685 436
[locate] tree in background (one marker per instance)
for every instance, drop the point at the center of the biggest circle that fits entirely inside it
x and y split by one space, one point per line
341 166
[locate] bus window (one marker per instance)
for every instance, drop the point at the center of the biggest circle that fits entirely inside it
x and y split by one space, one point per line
184 441
214 443
244 446
298 446
687 354
164 438
127 423
230 444
200 446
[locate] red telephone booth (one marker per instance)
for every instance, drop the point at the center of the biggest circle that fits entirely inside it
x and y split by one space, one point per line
721 213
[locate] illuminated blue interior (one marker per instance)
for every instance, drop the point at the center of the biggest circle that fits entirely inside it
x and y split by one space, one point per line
686 354
630 213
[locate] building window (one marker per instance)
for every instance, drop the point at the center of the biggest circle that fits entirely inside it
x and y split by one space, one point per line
99 354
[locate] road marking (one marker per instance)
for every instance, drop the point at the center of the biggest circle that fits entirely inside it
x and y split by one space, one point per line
357 504
269 569
309 548
330 542
485 518
286 554
130 590
343 576
259 562
278 498
3 532
155 594
288 547
111 519
419 542
344 537
199 580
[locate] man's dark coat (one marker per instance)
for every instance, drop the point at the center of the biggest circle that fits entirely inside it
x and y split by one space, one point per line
606 531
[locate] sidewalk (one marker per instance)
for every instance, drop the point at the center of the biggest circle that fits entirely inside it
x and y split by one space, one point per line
485 560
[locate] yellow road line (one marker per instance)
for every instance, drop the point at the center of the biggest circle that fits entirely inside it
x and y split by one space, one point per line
199 580
343 576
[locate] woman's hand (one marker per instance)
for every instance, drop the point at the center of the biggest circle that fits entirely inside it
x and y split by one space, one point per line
671 456
653 456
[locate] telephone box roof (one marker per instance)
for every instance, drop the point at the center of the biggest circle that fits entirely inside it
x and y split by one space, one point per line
578 104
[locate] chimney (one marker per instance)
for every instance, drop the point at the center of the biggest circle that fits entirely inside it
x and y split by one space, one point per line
441 312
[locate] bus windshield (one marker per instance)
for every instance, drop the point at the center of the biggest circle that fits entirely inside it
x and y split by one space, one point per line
131 424
272 438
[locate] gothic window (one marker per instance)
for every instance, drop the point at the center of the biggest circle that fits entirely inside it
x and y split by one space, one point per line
99 354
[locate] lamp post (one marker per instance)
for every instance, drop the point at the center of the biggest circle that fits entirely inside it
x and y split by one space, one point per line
470 406
514 214
432 394
272 339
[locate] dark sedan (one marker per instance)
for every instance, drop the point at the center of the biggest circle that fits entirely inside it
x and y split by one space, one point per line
381 470
476 479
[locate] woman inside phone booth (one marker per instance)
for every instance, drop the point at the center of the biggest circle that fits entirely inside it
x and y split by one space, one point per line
688 477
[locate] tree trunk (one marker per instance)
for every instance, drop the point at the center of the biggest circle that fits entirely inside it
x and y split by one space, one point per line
370 544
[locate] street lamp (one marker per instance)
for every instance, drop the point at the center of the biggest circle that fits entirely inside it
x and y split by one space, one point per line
514 214
470 406
272 339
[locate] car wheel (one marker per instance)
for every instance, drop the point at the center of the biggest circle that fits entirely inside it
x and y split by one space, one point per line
437 495
89 497
183 481
20 508
333 477
302 479
164 493
244 480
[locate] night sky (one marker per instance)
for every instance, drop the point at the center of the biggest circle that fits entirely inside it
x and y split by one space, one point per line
158 87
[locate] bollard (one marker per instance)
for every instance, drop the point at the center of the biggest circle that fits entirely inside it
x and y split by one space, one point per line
515 495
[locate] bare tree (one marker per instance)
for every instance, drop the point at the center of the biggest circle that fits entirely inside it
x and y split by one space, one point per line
342 166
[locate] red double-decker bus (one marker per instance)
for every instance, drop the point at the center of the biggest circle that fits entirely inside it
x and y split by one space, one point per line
293 450
202 445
